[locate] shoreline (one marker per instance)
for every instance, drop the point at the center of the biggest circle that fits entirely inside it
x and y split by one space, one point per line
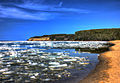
108 68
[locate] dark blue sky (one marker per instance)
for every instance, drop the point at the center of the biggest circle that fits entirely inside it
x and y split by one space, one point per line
21 19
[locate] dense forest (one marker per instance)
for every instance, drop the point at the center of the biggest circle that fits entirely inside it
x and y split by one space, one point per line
86 35
98 35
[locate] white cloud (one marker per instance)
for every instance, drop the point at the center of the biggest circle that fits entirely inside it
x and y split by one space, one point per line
43 12
19 14
50 8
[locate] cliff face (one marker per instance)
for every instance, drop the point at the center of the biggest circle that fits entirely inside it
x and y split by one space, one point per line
54 37
98 34
39 39
85 35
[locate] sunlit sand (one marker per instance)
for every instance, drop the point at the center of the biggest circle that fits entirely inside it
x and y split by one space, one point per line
108 70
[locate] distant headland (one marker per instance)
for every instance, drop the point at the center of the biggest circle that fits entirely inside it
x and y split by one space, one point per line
84 35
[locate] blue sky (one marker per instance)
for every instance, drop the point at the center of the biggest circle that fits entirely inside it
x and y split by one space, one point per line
22 19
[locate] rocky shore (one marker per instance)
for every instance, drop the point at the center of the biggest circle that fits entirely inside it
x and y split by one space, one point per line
108 69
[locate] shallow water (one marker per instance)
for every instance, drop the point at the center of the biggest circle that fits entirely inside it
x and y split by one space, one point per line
33 62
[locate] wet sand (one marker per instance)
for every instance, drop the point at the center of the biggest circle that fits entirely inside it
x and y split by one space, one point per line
108 69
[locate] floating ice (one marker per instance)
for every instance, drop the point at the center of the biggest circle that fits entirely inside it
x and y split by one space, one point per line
24 61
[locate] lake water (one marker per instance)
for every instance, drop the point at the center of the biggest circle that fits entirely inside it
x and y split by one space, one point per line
48 62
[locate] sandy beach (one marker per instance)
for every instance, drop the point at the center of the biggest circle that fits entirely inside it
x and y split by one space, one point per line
108 69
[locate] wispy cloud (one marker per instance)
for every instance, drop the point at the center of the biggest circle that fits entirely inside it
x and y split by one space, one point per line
20 14
51 8
42 11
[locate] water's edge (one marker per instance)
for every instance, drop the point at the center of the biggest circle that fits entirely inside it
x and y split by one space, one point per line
96 75
86 47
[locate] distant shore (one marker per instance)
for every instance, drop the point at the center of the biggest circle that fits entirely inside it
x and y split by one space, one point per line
108 69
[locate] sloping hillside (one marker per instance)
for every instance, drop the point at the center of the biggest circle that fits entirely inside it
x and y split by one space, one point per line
54 37
85 35
98 34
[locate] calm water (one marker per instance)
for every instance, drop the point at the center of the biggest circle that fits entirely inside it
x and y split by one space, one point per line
33 62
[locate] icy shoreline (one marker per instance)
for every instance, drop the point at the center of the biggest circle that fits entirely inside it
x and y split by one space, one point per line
60 44
39 61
